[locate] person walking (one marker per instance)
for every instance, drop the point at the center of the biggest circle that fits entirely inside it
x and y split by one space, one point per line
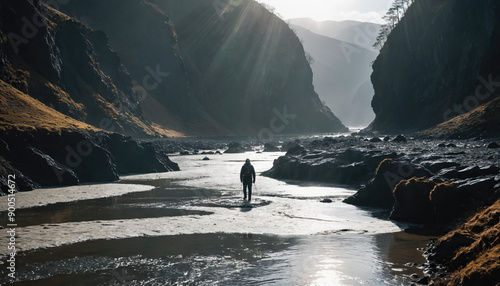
247 177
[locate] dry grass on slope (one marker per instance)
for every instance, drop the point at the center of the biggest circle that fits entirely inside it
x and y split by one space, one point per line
482 121
478 262
21 112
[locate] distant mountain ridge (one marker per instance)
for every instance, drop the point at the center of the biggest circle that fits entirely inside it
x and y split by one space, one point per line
341 74
358 33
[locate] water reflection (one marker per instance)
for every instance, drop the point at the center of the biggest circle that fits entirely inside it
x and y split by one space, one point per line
224 259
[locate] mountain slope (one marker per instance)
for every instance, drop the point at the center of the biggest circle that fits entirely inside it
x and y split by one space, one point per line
244 68
69 67
341 74
143 37
357 33
440 61
21 112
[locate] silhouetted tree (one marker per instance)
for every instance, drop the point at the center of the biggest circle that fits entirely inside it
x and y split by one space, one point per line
392 18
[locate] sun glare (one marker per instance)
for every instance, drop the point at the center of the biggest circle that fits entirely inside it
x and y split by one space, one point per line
322 10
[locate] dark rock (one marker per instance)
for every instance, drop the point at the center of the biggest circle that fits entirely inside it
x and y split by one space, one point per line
184 153
442 145
443 251
206 159
50 172
23 183
375 140
423 281
351 156
67 158
268 147
378 192
350 174
236 147
373 160
412 202
475 171
330 140
493 145
438 166
297 150
387 139
326 201
399 138
289 145
131 157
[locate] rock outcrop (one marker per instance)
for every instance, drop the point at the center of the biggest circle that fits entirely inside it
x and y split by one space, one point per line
68 67
329 160
42 158
418 181
440 61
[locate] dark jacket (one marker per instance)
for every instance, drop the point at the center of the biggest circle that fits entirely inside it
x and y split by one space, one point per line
247 173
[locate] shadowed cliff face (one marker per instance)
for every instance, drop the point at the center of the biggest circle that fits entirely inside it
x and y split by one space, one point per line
234 68
68 67
144 39
252 65
439 62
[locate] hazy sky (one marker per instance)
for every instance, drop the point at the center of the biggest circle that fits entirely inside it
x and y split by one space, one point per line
360 10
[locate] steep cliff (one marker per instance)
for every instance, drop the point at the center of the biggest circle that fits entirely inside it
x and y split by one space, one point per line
234 67
68 67
60 82
439 62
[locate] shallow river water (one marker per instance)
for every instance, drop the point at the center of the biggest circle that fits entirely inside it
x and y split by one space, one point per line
193 228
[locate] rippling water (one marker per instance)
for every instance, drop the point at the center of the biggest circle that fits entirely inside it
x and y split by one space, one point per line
193 229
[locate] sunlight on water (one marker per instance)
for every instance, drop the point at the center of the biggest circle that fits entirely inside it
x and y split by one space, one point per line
193 230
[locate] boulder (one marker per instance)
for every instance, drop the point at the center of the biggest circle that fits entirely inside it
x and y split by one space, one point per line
493 145
289 145
435 167
268 147
375 140
235 147
412 202
131 157
399 138
379 191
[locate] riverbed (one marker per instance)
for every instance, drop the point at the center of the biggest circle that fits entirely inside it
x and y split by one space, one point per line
193 228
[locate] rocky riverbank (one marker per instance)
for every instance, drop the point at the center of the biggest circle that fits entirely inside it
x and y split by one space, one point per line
42 158
417 178
434 183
